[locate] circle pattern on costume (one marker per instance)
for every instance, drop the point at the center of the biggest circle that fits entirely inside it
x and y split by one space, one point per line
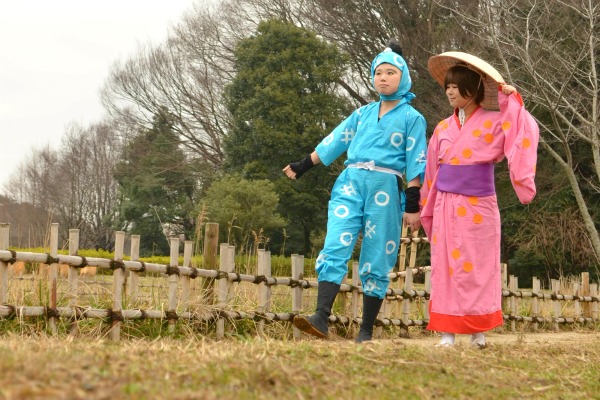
346 238
385 201
456 254
388 249
328 139
341 211
366 269
468 266
321 259
394 139
412 142
398 61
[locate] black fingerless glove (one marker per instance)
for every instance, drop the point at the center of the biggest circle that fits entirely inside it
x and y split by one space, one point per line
413 195
301 167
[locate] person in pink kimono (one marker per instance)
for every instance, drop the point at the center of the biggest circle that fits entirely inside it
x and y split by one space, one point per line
460 213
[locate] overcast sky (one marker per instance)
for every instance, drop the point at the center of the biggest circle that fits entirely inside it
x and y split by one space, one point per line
54 58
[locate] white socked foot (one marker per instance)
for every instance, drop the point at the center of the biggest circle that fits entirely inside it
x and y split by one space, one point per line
478 340
447 340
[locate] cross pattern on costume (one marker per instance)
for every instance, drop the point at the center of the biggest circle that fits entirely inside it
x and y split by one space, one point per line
347 135
370 286
348 189
370 229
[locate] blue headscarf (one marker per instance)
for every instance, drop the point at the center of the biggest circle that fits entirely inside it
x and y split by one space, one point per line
389 57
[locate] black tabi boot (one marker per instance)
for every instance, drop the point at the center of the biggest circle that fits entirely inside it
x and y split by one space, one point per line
318 323
371 307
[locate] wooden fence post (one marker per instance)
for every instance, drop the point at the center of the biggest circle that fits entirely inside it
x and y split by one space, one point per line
535 306
134 276
118 274
264 290
512 285
210 259
577 303
53 277
427 291
227 265
188 247
297 274
556 303
594 307
408 284
4 242
73 279
355 298
402 263
173 283
585 291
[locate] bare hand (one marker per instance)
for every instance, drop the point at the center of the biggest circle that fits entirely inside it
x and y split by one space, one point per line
412 220
289 172
508 89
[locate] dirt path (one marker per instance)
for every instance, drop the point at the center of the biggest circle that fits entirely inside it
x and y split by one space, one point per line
529 338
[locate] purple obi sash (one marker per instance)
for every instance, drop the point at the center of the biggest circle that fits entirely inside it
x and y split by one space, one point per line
469 180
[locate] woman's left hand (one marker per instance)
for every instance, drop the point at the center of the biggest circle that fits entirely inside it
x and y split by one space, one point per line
412 220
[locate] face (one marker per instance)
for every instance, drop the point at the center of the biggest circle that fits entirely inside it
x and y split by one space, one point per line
387 79
454 97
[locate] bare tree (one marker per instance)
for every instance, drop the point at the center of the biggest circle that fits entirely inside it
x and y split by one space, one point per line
74 183
550 49
184 76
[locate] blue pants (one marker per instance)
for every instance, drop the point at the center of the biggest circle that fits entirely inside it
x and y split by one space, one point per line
368 202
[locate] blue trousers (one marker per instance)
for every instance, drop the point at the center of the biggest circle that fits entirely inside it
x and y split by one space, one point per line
368 202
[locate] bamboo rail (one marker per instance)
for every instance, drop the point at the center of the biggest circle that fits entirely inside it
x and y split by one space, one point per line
178 285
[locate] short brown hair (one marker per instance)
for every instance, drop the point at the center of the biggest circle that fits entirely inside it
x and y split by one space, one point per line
468 81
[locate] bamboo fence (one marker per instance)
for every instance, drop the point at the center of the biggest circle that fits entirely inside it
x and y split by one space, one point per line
406 304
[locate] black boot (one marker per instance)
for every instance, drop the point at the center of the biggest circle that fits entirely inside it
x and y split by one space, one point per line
371 307
318 323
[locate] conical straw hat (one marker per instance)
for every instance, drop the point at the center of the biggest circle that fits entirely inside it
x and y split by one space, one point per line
439 65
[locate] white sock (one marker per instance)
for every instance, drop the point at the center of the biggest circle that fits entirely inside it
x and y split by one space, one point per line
447 339
478 339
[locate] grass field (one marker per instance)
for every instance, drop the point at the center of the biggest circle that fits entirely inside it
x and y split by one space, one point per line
563 365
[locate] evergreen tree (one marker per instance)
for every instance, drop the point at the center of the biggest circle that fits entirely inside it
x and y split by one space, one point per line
283 101
156 188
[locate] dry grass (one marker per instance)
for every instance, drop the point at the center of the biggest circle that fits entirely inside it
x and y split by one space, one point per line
527 366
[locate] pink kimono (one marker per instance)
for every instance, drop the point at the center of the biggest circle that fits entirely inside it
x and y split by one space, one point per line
460 213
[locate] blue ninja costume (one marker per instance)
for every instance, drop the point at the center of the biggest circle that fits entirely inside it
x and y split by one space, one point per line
366 197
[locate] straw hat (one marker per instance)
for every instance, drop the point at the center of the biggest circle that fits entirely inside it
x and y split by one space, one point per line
438 65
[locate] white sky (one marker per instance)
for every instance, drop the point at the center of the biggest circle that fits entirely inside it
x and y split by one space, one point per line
54 58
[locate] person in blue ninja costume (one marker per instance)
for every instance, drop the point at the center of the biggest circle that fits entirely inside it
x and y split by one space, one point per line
386 146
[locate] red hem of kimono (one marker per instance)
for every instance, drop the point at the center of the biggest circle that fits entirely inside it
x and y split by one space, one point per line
464 323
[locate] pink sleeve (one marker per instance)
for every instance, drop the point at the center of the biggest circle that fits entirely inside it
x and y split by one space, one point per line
428 190
520 145
431 165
